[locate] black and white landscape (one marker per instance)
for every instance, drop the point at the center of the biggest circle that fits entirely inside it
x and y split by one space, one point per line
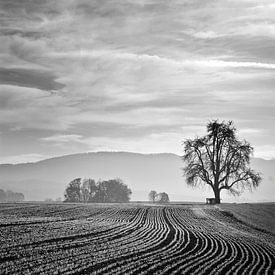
137 137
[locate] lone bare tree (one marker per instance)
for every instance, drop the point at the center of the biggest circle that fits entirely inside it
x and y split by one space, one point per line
220 160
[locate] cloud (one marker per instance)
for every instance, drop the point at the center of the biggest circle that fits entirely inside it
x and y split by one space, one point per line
252 131
233 64
166 142
63 138
266 151
43 80
133 74
20 32
202 34
31 108
163 60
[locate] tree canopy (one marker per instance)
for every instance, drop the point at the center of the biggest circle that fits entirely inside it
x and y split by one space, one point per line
153 195
220 160
163 197
158 197
88 190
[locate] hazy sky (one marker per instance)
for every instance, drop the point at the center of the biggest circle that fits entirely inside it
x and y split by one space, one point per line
136 75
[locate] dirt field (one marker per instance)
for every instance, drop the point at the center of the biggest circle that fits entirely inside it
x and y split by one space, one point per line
130 239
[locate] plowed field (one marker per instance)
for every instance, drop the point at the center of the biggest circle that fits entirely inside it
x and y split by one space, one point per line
130 239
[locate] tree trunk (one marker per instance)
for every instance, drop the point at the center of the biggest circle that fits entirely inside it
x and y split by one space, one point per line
217 195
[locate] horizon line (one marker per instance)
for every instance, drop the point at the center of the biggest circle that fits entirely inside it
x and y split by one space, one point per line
110 151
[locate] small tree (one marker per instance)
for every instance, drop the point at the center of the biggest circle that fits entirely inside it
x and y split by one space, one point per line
88 189
92 187
219 160
163 197
153 196
73 191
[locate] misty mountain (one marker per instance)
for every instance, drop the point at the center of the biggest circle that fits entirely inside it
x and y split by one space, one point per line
141 172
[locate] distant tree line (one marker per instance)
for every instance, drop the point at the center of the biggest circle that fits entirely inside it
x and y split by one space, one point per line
88 190
10 196
158 197
52 200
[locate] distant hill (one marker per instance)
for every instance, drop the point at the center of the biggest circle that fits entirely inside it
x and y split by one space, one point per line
141 172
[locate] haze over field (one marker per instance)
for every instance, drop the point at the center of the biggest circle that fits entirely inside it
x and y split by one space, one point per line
142 173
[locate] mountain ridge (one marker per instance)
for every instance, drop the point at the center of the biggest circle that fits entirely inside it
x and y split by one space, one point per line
89 153
110 152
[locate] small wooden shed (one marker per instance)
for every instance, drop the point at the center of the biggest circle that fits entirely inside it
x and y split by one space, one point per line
210 201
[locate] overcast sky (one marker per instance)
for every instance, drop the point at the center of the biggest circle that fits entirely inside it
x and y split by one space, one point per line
140 76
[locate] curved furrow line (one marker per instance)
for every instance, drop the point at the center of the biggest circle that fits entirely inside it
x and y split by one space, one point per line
177 246
224 242
221 253
120 260
258 260
211 248
269 264
191 246
145 232
249 256
62 240
123 239
122 235
242 258
221 266
251 248
114 233
110 263
55 239
160 223
252 257
187 263
153 256
257 257
263 259
57 255
267 250
167 247
248 247
185 255
241 266
212 256
227 256
234 255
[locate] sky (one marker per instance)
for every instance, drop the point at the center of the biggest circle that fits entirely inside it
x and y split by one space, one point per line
140 76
